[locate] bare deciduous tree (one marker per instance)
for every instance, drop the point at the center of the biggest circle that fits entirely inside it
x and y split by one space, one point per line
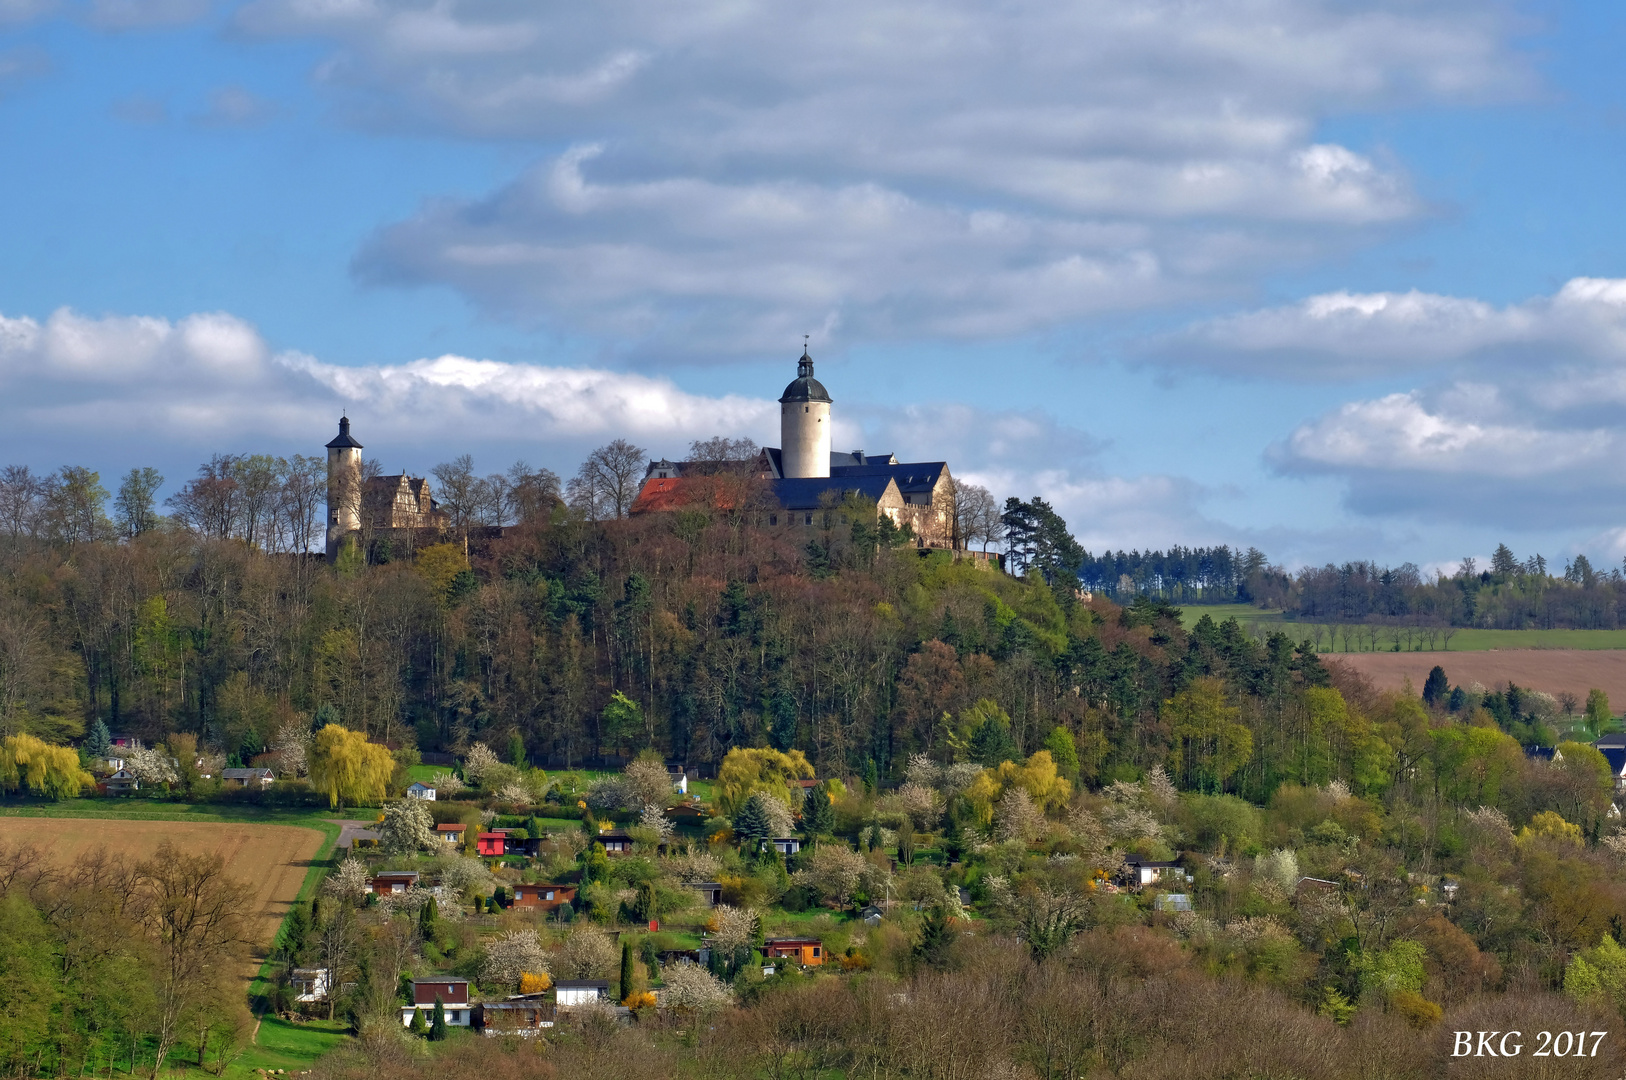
608 480
455 483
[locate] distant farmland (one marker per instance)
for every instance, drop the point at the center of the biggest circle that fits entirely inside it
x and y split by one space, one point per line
1552 670
272 858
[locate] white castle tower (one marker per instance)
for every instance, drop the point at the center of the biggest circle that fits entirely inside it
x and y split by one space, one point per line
343 488
804 424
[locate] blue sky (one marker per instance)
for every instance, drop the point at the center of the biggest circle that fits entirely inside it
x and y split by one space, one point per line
1339 280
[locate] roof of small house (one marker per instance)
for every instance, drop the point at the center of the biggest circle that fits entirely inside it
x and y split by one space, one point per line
246 774
615 834
440 979
411 875
582 984
419 785
701 885
454 826
1142 860
793 941
1618 739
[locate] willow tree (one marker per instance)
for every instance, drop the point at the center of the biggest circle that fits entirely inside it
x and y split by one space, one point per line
348 767
42 769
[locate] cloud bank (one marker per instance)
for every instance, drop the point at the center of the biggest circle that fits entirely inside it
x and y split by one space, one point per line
1345 335
727 175
209 383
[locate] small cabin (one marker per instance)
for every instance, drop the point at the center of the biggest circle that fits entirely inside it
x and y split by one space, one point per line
421 791
543 897
524 1014
452 833
616 842
492 843
123 782
260 778
710 891
809 952
1140 870
310 985
786 845
393 881
570 992
452 993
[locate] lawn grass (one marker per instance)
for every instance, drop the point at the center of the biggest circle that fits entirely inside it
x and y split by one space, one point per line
1463 640
283 1045
1242 613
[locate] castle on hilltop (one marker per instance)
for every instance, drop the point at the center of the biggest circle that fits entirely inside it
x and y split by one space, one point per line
374 508
806 478
798 484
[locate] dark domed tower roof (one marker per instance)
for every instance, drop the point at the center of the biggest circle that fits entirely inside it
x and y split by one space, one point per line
344 439
806 387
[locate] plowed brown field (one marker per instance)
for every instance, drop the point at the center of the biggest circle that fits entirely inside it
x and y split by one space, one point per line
273 858
1552 670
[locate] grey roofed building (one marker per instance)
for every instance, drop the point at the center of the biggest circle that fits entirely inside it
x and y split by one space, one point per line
807 493
248 776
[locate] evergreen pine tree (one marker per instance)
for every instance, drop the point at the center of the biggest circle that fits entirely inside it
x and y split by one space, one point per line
1436 688
419 1028
991 743
818 816
437 1030
936 938
751 823
99 742
428 917
626 970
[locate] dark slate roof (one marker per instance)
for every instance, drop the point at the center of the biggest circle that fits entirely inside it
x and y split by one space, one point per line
805 387
1617 740
913 477
1616 756
1545 753
245 774
344 439
858 457
804 493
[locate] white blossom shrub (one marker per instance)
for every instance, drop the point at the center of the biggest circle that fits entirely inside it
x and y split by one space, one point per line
587 953
446 783
151 766
478 763
349 881
690 986
514 954
648 784
655 819
407 827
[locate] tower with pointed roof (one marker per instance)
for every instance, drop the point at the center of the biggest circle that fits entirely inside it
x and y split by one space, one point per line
804 424
343 488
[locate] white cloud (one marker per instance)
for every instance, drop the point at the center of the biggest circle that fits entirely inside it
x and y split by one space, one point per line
952 169
698 267
1346 335
132 388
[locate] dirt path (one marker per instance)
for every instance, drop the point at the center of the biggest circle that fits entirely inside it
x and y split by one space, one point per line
1553 670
